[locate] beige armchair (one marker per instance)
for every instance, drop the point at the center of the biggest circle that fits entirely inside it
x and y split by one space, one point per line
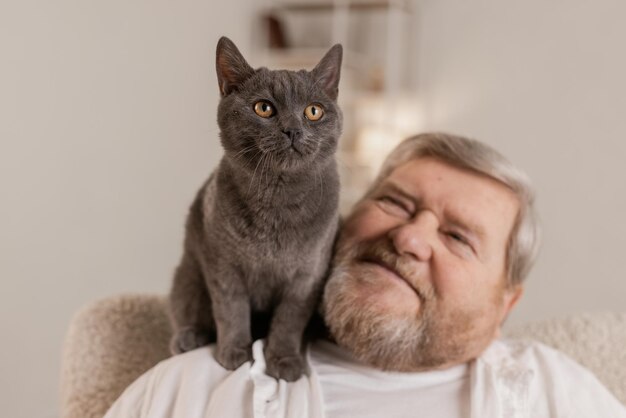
113 341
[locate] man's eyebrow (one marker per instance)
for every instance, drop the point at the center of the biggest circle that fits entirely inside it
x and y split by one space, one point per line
390 186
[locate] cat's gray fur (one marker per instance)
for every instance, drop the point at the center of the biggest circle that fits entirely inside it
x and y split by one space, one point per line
260 232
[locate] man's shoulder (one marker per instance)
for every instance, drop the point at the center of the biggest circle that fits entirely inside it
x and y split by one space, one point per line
525 352
555 382
536 358
172 383
198 361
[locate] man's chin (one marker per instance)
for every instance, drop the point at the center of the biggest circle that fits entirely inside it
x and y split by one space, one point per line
380 325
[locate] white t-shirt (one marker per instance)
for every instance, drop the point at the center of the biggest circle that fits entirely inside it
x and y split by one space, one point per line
511 379
350 389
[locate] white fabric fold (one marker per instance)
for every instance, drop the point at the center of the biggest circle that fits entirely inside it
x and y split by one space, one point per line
510 380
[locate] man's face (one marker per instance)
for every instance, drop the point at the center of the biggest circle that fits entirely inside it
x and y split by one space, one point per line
419 274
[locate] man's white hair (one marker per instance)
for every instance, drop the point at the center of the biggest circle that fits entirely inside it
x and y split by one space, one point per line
475 156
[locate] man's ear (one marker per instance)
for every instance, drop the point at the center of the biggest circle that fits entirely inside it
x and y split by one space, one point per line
232 68
514 295
328 70
509 299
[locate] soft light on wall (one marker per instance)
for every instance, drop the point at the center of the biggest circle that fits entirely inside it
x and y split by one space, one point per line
383 121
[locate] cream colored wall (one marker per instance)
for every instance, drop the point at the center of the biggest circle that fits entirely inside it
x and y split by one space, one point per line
107 128
544 83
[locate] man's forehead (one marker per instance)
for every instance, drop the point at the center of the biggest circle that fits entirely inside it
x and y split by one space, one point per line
466 196
431 169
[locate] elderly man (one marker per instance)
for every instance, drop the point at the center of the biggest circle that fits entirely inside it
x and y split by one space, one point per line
427 267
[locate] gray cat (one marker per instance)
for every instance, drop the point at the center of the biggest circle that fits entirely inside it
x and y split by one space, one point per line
260 232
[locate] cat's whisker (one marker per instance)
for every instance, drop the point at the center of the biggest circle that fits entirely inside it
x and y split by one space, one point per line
270 161
262 177
264 172
245 150
254 174
321 188
268 171
248 163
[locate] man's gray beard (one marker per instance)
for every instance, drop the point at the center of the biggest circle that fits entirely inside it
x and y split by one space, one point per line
387 341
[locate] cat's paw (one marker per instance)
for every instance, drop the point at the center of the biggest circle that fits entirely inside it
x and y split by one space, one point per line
289 368
232 357
187 339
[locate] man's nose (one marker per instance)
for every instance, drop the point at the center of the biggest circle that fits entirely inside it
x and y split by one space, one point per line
416 236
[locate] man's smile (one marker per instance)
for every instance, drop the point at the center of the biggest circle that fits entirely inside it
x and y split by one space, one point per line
389 271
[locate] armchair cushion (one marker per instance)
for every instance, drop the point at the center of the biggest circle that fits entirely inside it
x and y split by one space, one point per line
108 345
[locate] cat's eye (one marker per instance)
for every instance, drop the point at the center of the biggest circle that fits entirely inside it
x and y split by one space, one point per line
314 112
264 109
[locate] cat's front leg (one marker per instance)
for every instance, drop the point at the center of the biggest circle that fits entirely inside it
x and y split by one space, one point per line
231 311
190 308
283 349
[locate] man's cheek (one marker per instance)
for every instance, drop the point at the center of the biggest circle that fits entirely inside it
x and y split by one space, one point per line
367 224
456 280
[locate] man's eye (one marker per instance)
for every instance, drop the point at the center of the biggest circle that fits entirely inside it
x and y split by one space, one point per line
393 206
391 201
458 237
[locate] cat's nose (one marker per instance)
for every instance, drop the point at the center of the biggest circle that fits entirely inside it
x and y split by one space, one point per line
293 134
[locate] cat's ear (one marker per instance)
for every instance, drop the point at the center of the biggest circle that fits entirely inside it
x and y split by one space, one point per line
328 70
232 68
